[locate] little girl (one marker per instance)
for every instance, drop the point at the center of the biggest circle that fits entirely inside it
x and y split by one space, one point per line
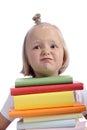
44 54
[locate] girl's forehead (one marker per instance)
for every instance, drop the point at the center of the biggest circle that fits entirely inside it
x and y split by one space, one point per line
43 33
43 30
44 27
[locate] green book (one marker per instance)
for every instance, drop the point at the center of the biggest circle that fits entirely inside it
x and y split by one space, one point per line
43 80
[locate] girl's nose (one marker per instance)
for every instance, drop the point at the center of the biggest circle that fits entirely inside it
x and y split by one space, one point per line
45 52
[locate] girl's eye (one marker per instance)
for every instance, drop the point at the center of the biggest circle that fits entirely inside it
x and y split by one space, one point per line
37 47
54 46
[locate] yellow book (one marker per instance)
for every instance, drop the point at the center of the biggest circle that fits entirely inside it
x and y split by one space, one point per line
52 117
44 100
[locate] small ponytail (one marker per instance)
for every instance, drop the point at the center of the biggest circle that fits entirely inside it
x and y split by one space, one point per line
37 18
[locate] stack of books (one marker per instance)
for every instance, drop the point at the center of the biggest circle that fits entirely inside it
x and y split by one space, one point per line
47 103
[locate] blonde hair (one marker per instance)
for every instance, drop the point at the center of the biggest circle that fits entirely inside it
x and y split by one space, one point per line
27 69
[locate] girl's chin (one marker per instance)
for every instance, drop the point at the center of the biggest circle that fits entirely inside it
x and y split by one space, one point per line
47 73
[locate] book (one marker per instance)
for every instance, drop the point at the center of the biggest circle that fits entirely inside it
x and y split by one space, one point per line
76 108
43 80
47 124
52 117
79 126
46 88
43 100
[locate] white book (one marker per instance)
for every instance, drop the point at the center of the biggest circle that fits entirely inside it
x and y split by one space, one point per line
52 117
46 124
79 126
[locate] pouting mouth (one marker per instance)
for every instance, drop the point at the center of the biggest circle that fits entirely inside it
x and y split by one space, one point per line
46 58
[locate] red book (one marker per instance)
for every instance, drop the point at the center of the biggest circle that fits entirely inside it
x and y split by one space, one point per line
46 88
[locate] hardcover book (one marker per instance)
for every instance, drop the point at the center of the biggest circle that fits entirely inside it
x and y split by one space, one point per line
47 124
44 100
79 126
76 108
43 80
52 117
46 88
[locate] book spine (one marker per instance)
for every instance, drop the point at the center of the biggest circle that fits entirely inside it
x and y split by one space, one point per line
79 126
43 81
44 100
48 124
46 88
52 117
77 108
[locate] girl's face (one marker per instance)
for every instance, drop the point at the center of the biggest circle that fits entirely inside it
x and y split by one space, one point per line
44 51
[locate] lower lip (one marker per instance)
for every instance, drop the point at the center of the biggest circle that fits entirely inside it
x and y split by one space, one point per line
47 59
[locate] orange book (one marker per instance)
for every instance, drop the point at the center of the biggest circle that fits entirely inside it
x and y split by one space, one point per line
76 108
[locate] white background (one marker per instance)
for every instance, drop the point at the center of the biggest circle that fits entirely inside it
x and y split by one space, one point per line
15 20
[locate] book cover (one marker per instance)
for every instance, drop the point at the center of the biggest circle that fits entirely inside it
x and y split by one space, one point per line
52 117
43 80
76 108
46 88
79 126
43 100
47 124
